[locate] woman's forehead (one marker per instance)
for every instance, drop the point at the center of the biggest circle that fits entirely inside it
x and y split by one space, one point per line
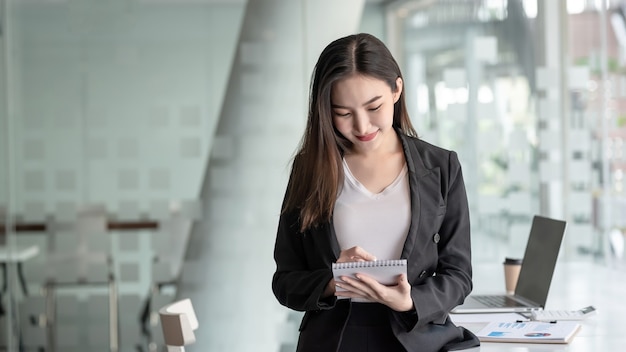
357 86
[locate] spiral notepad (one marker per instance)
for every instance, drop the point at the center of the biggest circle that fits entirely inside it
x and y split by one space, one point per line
384 271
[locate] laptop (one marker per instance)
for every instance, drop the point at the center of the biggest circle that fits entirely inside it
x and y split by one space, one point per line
533 284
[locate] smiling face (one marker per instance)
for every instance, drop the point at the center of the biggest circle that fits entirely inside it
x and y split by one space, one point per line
362 109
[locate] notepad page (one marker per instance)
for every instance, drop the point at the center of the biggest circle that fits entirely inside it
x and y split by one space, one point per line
384 271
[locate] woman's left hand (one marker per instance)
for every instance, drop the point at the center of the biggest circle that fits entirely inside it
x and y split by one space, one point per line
396 296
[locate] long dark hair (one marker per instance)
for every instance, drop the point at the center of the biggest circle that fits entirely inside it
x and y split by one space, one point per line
317 171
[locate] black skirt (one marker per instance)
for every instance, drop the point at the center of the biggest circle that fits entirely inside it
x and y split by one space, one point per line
368 330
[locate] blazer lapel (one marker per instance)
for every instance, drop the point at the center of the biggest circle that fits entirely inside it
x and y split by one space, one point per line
417 174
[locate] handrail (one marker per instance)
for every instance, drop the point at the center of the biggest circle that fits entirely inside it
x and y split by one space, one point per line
111 225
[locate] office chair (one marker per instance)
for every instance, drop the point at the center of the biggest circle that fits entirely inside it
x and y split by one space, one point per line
178 321
80 260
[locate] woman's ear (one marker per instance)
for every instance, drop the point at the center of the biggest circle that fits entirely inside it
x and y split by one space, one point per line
398 91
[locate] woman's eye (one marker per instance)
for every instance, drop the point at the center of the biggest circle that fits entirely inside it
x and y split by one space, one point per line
376 108
342 114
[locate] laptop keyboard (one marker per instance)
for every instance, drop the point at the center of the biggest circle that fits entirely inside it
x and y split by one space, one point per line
498 301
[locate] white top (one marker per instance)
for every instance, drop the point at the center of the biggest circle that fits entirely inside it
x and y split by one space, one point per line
378 223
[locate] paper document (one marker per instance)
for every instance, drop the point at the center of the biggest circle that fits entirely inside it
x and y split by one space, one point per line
486 318
529 332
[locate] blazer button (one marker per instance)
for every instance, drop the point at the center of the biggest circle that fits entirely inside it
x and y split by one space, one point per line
423 273
436 238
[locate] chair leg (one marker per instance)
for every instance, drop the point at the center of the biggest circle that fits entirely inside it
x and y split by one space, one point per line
50 304
145 321
113 316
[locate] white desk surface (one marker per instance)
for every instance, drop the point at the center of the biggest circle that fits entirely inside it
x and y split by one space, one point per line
17 254
575 285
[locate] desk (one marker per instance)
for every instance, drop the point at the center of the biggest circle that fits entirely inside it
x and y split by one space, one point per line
574 285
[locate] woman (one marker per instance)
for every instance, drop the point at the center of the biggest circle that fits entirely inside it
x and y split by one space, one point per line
364 187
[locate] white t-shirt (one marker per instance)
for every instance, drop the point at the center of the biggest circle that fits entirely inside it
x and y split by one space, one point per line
379 222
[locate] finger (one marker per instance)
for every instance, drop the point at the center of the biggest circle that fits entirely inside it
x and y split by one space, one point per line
367 280
344 256
352 284
404 282
348 290
350 294
356 258
363 254
355 254
364 285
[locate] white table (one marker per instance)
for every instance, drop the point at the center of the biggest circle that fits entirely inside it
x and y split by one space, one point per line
17 256
574 286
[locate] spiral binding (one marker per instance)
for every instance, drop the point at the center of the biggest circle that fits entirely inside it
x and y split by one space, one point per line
370 264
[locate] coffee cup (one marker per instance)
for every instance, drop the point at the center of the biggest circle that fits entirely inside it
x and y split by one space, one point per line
512 268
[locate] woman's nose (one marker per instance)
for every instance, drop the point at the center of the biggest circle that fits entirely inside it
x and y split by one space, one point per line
361 123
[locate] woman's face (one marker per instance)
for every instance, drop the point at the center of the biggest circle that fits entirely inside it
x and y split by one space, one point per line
362 110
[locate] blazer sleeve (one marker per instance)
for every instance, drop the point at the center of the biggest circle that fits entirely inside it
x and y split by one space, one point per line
299 279
452 279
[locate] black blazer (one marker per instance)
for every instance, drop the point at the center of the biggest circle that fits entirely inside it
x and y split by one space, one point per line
437 250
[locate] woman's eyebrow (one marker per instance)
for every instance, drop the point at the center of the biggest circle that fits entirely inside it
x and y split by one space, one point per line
337 106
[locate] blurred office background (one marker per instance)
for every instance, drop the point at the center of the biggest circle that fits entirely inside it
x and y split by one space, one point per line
145 147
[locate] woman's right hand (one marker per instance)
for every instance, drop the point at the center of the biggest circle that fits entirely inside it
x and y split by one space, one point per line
355 254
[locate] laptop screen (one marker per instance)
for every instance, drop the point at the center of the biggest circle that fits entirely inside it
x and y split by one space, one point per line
542 251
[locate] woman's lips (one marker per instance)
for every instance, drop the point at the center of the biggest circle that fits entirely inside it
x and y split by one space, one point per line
367 137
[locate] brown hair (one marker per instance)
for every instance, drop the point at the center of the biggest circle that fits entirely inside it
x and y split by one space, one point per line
317 173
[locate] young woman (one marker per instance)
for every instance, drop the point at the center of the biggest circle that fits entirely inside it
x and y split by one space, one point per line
364 187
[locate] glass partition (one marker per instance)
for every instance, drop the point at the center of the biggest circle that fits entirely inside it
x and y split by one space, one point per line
516 88
9 312
108 110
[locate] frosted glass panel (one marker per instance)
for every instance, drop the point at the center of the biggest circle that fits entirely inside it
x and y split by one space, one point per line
578 77
486 49
455 77
547 77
